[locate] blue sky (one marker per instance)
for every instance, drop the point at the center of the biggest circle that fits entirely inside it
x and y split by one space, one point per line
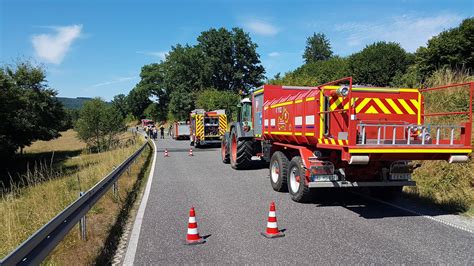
96 48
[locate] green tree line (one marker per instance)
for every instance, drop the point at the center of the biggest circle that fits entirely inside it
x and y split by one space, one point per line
207 75
385 63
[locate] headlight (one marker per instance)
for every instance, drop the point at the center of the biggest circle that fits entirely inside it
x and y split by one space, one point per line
343 91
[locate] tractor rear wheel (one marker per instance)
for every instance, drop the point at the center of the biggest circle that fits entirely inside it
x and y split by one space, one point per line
225 151
240 152
278 171
299 190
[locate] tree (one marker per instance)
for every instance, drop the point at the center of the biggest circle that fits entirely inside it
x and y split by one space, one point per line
99 124
29 110
138 100
153 112
153 81
451 48
212 99
120 104
231 61
315 73
377 64
317 48
181 103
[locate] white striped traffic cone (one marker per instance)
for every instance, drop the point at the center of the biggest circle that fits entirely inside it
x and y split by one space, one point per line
193 237
272 227
191 152
166 153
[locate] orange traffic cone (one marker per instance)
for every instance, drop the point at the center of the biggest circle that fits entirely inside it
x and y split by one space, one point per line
193 237
272 227
191 152
166 153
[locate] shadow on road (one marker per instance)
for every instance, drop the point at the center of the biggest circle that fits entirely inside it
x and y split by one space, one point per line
359 201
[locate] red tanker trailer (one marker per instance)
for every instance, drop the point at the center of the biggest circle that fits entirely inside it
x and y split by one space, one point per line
340 135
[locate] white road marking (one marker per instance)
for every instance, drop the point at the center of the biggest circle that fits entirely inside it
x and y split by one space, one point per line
133 243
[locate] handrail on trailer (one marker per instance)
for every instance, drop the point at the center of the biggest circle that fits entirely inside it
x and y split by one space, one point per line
349 96
471 92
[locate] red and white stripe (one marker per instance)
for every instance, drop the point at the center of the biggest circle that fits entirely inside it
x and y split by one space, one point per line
272 227
192 234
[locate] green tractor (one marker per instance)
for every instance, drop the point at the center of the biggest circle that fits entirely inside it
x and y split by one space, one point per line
239 145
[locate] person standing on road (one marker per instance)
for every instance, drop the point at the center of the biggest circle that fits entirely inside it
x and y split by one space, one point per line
162 131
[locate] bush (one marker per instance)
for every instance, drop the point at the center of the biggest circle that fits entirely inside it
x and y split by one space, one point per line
99 125
315 73
378 63
451 48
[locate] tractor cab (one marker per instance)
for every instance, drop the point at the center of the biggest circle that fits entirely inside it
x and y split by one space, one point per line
245 113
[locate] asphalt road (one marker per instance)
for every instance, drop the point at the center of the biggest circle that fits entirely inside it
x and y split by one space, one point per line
232 208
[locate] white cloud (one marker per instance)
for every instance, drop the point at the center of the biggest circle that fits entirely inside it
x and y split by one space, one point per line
160 54
117 80
410 31
274 54
53 47
260 27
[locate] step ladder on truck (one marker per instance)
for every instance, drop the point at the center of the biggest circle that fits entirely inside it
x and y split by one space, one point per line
207 127
342 135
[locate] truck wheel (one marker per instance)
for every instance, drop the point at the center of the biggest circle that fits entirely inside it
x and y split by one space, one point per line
240 152
299 191
225 151
279 171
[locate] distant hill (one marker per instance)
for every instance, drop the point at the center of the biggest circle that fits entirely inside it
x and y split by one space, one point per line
73 103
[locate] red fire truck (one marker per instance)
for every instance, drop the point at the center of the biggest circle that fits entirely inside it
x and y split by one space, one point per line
340 135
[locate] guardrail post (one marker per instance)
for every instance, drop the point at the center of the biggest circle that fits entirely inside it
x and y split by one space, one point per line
115 189
83 223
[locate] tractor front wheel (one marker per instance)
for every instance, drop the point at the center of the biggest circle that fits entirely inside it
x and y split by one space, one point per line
240 152
225 151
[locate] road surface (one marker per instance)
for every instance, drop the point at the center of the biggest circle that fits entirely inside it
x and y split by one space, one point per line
232 208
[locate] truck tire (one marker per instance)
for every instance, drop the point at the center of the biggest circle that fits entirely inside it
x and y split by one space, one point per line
278 171
240 152
225 151
299 190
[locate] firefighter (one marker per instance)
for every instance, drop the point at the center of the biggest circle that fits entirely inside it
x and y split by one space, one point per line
162 131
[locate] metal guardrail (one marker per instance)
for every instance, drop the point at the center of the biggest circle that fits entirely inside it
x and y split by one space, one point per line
37 247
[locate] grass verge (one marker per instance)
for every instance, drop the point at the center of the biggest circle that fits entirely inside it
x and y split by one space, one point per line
105 221
451 186
26 208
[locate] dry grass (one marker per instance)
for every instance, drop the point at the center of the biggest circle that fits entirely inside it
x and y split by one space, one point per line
26 209
67 142
105 222
450 185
